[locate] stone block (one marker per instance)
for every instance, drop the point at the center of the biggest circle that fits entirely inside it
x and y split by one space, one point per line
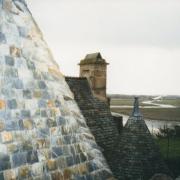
61 121
42 103
27 94
25 114
15 52
37 169
50 103
10 175
61 162
67 173
51 165
27 145
24 172
57 151
4 162
28 124
42 143
59 141
11 72
1 173
13 148
37 94
66 150
57 175
43 133
67 139
19 159
44 154
43 113
18 84
2 126
9 61
51 122
83 168
57 103
70 160
22 31
40 123
42 84
83 157
12 104
32 157
6 137
46 95
11 125
2 38
2 104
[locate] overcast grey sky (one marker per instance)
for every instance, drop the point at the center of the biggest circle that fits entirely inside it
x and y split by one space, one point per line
139 38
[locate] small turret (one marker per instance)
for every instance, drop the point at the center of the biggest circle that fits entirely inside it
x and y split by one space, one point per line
94 68
136 111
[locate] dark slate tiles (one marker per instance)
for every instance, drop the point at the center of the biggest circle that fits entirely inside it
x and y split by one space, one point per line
2 37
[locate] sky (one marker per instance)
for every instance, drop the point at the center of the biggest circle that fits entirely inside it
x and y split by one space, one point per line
139 38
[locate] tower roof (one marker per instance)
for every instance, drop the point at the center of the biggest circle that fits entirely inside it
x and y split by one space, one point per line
136 111
43 134
140 155
93 58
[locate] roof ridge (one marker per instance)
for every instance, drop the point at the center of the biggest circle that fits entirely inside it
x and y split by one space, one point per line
74 77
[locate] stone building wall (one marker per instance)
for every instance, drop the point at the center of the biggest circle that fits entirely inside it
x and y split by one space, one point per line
96 73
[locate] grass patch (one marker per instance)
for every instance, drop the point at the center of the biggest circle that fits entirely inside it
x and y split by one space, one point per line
122 102
174 147
173 160
126 102
174 102
166 114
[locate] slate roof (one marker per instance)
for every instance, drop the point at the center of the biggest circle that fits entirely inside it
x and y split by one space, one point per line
94 58
98 118
140 157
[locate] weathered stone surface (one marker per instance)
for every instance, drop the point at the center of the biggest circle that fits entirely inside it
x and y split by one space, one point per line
6 136
40 122
2 104
2 37
9 60
94 68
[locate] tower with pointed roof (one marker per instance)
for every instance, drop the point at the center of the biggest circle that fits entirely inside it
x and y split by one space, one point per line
140 157
43 134
94 68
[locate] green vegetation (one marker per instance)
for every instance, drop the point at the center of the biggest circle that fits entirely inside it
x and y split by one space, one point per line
171 156
122 102
174 147
168 140
166 114
174 102
126 102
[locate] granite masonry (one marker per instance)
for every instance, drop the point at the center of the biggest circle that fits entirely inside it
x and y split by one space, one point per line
43 134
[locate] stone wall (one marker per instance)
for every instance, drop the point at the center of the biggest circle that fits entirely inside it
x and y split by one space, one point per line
43 134
96 73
